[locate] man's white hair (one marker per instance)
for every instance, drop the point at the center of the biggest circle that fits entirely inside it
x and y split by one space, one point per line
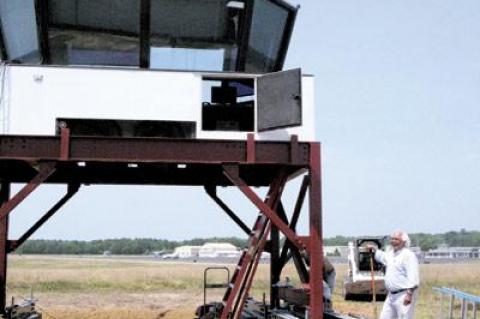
404 236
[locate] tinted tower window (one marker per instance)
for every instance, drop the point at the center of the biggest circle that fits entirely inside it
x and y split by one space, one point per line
193 35
19 29
267 32
100 32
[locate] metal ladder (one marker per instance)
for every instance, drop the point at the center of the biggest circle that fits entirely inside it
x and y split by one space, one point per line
236 294
242 278
243 275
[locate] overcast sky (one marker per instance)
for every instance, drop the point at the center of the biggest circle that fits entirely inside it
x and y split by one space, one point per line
397 100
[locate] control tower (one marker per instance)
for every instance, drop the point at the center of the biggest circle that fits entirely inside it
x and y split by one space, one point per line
164 92
158 68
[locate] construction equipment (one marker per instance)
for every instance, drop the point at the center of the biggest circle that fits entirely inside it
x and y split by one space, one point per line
358 284
23 310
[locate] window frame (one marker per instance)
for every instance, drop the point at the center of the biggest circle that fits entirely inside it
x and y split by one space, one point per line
245 22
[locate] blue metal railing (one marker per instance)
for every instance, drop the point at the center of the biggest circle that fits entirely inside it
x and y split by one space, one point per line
465 299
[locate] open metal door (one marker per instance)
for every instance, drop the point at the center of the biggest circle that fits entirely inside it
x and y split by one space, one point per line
279 100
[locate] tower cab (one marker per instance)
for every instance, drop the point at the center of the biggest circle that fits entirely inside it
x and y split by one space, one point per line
152 68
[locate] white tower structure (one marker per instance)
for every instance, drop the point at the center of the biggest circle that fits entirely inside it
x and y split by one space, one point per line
158 68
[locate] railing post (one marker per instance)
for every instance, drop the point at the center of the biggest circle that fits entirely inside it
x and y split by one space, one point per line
440 310
465 300
452 300
464 308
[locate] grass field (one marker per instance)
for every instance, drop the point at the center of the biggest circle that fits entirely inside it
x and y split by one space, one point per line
107 288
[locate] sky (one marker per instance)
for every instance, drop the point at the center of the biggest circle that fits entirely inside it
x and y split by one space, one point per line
397 112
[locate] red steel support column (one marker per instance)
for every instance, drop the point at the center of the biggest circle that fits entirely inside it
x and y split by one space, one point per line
64 143
4 196
316 241
250 148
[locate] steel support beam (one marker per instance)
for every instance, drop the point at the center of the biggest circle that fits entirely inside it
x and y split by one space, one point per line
316 243
212 192
294 252
71 190
165 150
296 214
233 175
250 148
44 171
64 143
4 196
299 262
254 163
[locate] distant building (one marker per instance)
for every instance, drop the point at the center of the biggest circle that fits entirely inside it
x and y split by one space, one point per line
187 251
215 250
340 251
419 253
453 253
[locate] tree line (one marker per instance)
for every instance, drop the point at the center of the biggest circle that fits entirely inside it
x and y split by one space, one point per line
137 246
462 238
122 246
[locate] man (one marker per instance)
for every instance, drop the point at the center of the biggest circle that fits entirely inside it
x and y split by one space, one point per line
329 276
401 278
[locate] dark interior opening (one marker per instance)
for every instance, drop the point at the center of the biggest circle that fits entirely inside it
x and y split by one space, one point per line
228 105
364 262
365 256
127 128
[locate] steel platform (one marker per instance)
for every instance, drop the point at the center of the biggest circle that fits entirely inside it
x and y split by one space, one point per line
76 161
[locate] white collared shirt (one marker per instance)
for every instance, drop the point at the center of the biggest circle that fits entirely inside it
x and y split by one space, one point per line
402 269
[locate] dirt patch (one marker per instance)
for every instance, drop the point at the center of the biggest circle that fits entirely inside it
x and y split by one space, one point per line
119 305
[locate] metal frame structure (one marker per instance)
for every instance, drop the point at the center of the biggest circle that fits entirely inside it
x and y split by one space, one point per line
42 20
73 161
3 49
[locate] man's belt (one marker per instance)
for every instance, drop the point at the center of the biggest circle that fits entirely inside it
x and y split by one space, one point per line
394 292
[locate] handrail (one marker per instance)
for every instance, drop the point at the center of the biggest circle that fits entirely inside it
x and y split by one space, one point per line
458 293
465 300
